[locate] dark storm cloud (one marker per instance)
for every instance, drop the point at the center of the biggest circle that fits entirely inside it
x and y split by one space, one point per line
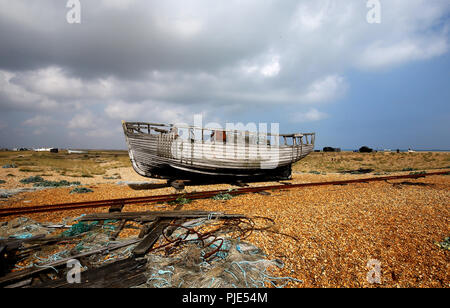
165 60
147 35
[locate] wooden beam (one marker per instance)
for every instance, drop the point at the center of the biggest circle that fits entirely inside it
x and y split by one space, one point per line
25 274
121 274
116 208
147 243
146 228
2 260
13 244
119 229
150 216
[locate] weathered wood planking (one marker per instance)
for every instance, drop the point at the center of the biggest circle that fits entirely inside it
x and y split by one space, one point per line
156 151
26 274
2 260
120 274
151 238
116 208
119 229
13 244
151 216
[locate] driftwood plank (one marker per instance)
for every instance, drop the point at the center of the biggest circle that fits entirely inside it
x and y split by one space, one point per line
121 274
20 284
151 238
116 208
2 260
14 244
119 229
149 216
25 274
132 215
146 228
192 216
146 219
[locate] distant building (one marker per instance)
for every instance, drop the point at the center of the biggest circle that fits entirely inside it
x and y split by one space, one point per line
51 150
76 152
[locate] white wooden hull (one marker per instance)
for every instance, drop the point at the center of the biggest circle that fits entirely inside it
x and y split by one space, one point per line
166 156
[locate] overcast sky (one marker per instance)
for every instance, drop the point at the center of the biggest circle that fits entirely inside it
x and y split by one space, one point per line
312 65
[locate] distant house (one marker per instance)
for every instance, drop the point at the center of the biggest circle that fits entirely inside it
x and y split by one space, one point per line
51 150
76 152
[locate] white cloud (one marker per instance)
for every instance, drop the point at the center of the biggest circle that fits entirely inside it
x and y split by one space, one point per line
100 133
41 124
53 81
118 4
17 97
40 120
52 89
325 89
122 110
85 120
187 27
310 116
271 69
266 66
381 55
39 131
149 111
310 16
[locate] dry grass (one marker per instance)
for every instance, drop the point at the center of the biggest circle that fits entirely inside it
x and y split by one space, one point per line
64 164
379 162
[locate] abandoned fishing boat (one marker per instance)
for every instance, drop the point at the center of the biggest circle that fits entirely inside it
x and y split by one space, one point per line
175 152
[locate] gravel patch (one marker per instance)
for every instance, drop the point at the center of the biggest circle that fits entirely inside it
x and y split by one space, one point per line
326 236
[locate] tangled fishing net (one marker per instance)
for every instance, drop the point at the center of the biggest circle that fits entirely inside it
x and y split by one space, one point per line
195 253
208 254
